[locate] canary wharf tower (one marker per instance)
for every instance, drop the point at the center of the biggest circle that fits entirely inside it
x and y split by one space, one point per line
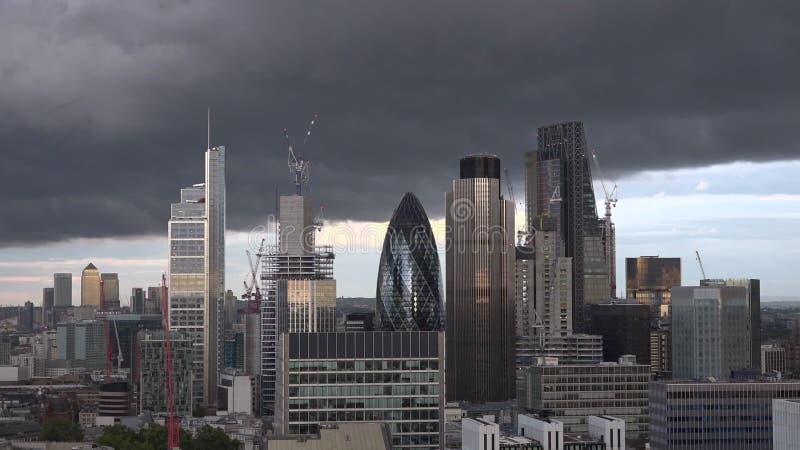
480 285
409 292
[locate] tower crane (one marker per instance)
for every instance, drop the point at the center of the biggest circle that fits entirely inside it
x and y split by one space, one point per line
173 426
297 164
251 291
700 261
608 227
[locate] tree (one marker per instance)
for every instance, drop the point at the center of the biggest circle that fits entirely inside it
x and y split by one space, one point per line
59 430
208 438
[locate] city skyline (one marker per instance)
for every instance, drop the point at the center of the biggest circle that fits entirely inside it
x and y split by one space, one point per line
110 87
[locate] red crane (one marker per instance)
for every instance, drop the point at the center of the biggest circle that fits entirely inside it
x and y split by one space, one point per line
106 331
173 426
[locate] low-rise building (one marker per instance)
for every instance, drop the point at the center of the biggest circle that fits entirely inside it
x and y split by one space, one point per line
773 359
342 436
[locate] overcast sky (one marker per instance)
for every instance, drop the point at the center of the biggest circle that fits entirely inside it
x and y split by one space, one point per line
691 106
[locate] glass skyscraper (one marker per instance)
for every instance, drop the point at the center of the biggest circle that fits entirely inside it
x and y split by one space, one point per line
480 285
90 286
409 292
197 272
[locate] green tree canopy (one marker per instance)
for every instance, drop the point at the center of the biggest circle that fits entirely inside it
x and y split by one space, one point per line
59 430
154 437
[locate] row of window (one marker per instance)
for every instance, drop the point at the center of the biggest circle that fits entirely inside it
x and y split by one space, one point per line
361 378
363 390
364 365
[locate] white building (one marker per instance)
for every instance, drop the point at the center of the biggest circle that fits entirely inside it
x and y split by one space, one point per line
610 429
479 434
785 424
549 432
238 393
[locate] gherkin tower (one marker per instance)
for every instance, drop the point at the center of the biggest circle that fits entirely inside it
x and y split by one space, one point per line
409 292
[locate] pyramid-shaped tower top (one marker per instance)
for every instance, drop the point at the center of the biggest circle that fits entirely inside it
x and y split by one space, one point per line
90 267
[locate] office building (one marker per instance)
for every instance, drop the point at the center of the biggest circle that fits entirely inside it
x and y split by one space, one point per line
480 284
700 415
25 317
152 303
570 393
359 321
773 359
298 268
610 430
48 300
558 185
340 436
233 351
572 348
548 432
81 344
409 287
197 272
625 328
307 305
90 286
111 289
62 290
152 376
754 312
711 331
648 279
785 424
237 392
137 301
661 353
391 377
553 281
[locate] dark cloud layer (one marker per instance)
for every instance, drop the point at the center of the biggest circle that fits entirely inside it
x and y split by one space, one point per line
102 104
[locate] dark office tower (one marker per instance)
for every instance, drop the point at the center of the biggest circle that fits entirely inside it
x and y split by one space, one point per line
409 291
48 300
152 304
648 279
480 285
754 311
26 316
625 328
137 300
558 184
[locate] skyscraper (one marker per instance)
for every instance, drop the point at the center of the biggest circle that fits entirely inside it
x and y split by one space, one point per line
62 290
299 292
137 300
409 292
196 272
754 312
711 331
558 184
111 289
480 284
90 286
47 306
648 279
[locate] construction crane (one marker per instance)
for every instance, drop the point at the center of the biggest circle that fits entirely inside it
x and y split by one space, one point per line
700 261
251 291
106 330
173 426
297 164
608 228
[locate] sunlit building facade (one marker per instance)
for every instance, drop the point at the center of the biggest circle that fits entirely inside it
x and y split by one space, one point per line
409 292
648 279
90 286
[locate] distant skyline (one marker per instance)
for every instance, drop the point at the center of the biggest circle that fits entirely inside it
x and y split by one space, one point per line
103 108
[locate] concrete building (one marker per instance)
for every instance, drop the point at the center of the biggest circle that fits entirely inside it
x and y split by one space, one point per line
341 436
237 393
152 376
708 415
395 378
711 331
295 264
359 321
90 286
570 393
611 430
648 279
197 272
773 359
480 284
479 434
785 424
625 328
62 290
548 432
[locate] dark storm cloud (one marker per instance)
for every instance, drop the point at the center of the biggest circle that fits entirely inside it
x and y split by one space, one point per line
102 104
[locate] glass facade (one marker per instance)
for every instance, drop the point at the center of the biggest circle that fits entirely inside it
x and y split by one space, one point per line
409 292
391 377
648 279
